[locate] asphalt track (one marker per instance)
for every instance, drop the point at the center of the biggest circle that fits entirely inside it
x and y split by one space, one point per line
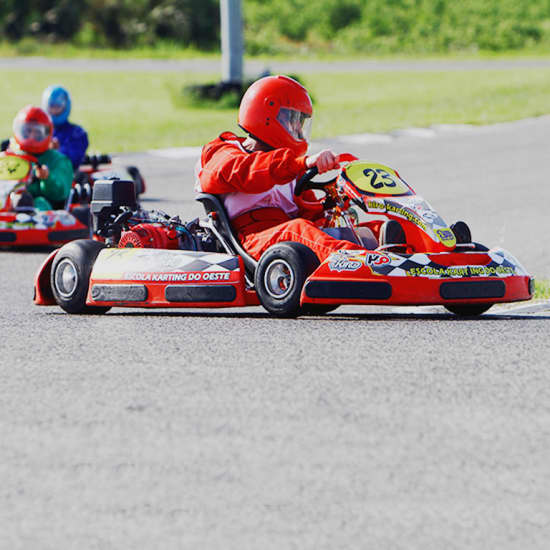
256 66
227 429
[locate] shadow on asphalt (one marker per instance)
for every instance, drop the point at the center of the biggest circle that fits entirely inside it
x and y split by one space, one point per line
334 317
33 249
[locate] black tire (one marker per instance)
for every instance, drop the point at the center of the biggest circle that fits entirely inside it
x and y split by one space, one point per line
85 193
70 276
83 215
462 232
138 179
77 193
280 276
468 310
318 309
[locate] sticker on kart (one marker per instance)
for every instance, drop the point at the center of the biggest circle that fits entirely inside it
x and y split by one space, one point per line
500 264
440 272
39 220
123 263
417 211
351 260
200 276
446 236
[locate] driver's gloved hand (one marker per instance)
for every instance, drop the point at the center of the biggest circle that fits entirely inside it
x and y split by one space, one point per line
324 161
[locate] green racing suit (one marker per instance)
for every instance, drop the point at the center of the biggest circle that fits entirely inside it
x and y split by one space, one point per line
55 189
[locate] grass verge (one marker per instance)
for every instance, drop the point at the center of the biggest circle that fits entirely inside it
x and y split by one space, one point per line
170 50
163 50
136 111
542 289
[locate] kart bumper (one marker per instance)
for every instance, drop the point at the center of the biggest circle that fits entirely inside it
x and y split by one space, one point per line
421 291
49 228
349 277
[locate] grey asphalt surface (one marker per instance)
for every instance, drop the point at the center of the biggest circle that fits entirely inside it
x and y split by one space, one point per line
255 66
227 429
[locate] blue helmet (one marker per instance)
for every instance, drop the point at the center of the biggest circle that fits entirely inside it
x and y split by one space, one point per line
56 101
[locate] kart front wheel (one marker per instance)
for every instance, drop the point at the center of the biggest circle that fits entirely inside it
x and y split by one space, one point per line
318 309
280 276
70 276
468 310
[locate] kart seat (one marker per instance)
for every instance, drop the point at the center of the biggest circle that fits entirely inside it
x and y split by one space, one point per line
212 204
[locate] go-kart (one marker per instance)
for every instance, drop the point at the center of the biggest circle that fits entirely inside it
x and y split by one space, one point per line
24 226
94 167
99 167
148 259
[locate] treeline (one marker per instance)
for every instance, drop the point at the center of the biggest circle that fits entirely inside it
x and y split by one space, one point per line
114 23
388 26
274 26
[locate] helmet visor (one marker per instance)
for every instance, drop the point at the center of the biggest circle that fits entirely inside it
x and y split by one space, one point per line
57 104
296 123
56 109
32 131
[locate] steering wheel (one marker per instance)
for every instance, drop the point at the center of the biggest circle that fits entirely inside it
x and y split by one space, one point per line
305 181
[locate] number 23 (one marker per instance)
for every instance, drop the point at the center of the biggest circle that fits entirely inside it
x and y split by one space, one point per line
384 179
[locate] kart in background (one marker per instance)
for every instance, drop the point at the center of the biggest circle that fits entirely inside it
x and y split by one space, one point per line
100 167
150 260
25 226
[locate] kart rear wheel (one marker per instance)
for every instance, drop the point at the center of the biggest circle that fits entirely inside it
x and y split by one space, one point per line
280 276
70 276
137 178
82 214
468 310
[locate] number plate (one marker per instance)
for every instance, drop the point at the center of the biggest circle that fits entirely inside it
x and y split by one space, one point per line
13 168
376 179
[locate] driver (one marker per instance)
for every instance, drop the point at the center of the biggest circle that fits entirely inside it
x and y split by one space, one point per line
70 139
32 130
256 175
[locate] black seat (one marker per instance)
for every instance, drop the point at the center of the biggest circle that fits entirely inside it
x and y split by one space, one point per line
212 204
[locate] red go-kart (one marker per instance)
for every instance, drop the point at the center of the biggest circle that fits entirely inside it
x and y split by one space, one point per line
406 255
25 226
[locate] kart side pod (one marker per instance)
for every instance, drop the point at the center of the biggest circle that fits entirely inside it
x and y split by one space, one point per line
86 276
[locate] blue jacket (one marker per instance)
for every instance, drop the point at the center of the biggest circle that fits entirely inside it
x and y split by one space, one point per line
73 141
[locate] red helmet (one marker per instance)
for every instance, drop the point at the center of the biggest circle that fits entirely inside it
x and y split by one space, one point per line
277 110
32 129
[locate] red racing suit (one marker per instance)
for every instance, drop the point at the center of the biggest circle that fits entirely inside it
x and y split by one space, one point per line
258 192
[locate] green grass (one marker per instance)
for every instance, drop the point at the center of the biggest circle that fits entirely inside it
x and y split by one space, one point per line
133 111
378 102
542 289
162 50
170 50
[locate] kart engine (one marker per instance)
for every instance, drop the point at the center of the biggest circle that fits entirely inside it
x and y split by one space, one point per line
119 220
149 235
112 200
